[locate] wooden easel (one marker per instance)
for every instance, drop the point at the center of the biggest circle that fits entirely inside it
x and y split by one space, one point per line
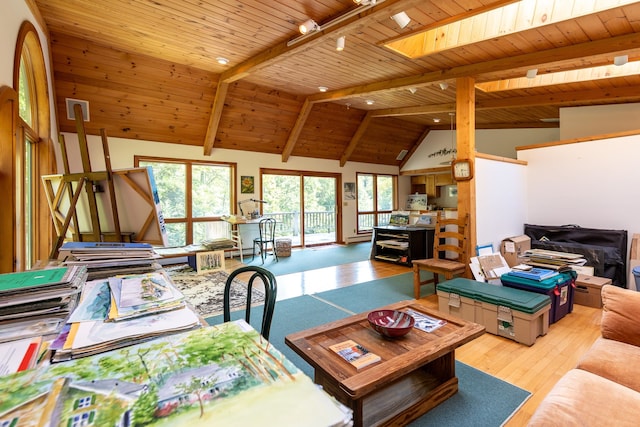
72 185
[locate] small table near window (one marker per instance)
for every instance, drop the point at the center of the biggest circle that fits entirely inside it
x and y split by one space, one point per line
248 229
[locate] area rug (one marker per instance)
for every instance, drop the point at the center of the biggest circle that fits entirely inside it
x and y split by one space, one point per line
482 399
313 258
206 291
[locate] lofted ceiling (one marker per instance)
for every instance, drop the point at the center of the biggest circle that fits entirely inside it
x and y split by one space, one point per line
148 69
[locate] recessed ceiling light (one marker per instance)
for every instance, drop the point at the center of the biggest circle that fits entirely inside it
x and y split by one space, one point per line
413 90
369 101
323 88
436 120
340 43
222 61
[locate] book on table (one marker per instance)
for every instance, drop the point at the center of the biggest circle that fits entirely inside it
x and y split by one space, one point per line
355 353
424 322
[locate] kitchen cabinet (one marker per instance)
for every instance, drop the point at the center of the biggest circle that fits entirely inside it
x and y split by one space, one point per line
444 179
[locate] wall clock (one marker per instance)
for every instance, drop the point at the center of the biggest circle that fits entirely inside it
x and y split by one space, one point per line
462 169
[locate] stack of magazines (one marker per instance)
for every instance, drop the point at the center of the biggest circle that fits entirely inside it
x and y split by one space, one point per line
38 302
553 260
105 259
119 311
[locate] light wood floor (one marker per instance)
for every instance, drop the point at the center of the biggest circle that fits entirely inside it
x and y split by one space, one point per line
536 368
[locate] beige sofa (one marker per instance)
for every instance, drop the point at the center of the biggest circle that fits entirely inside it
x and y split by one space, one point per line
604 388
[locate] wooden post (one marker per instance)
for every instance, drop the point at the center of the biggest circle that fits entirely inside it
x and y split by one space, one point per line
466 149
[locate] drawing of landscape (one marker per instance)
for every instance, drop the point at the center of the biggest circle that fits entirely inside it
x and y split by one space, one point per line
206 376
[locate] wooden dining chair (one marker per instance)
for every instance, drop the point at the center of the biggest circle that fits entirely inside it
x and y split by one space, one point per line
267 227
270 292
449 253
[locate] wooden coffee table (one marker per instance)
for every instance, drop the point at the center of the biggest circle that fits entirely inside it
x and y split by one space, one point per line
416 373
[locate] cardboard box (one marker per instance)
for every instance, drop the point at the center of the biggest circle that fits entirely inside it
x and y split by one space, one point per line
513 249
588 289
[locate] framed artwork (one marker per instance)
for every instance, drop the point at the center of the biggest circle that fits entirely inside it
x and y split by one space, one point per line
417 202
246 184
208 262
349 190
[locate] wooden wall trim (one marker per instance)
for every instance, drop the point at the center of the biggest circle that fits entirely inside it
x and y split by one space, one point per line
581 139
8 122
500 158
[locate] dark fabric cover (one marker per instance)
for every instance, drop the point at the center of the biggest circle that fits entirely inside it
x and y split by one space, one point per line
605 250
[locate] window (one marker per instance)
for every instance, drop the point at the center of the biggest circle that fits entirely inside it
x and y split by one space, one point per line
83 402
27 154
82 419
377 198
193 195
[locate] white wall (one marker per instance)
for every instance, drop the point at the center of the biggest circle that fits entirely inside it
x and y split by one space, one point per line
496 142
122 152
501 200
592 184
579 122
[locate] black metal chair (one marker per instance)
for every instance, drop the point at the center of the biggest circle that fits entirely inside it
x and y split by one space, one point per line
270 292
267 237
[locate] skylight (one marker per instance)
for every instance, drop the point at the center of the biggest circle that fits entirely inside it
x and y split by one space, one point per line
512 18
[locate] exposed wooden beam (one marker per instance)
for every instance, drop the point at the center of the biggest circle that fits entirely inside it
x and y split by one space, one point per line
214 119
414 111
414 147
585 50
356 139
619 94
284 50
297 128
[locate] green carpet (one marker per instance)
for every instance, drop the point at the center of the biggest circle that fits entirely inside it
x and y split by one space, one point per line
313 258
376 293
482 400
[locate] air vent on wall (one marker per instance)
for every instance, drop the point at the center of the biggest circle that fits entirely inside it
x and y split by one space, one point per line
71 115
402 154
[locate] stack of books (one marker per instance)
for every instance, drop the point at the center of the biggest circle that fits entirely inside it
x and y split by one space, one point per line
38 302
534 273
106 259
119 311
553 260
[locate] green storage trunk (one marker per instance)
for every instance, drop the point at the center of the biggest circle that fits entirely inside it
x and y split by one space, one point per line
513 313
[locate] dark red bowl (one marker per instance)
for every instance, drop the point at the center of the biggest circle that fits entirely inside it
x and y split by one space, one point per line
391 323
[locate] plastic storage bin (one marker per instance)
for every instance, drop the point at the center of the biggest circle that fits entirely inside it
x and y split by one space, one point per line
512 313
636 275
559 288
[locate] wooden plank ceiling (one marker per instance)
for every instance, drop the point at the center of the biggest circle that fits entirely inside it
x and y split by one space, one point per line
148 69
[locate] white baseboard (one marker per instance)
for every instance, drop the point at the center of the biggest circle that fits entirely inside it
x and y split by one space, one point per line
360 238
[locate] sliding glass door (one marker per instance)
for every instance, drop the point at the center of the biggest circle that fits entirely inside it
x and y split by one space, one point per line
304 204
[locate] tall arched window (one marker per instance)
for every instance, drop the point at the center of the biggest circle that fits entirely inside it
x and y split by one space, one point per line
33 152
